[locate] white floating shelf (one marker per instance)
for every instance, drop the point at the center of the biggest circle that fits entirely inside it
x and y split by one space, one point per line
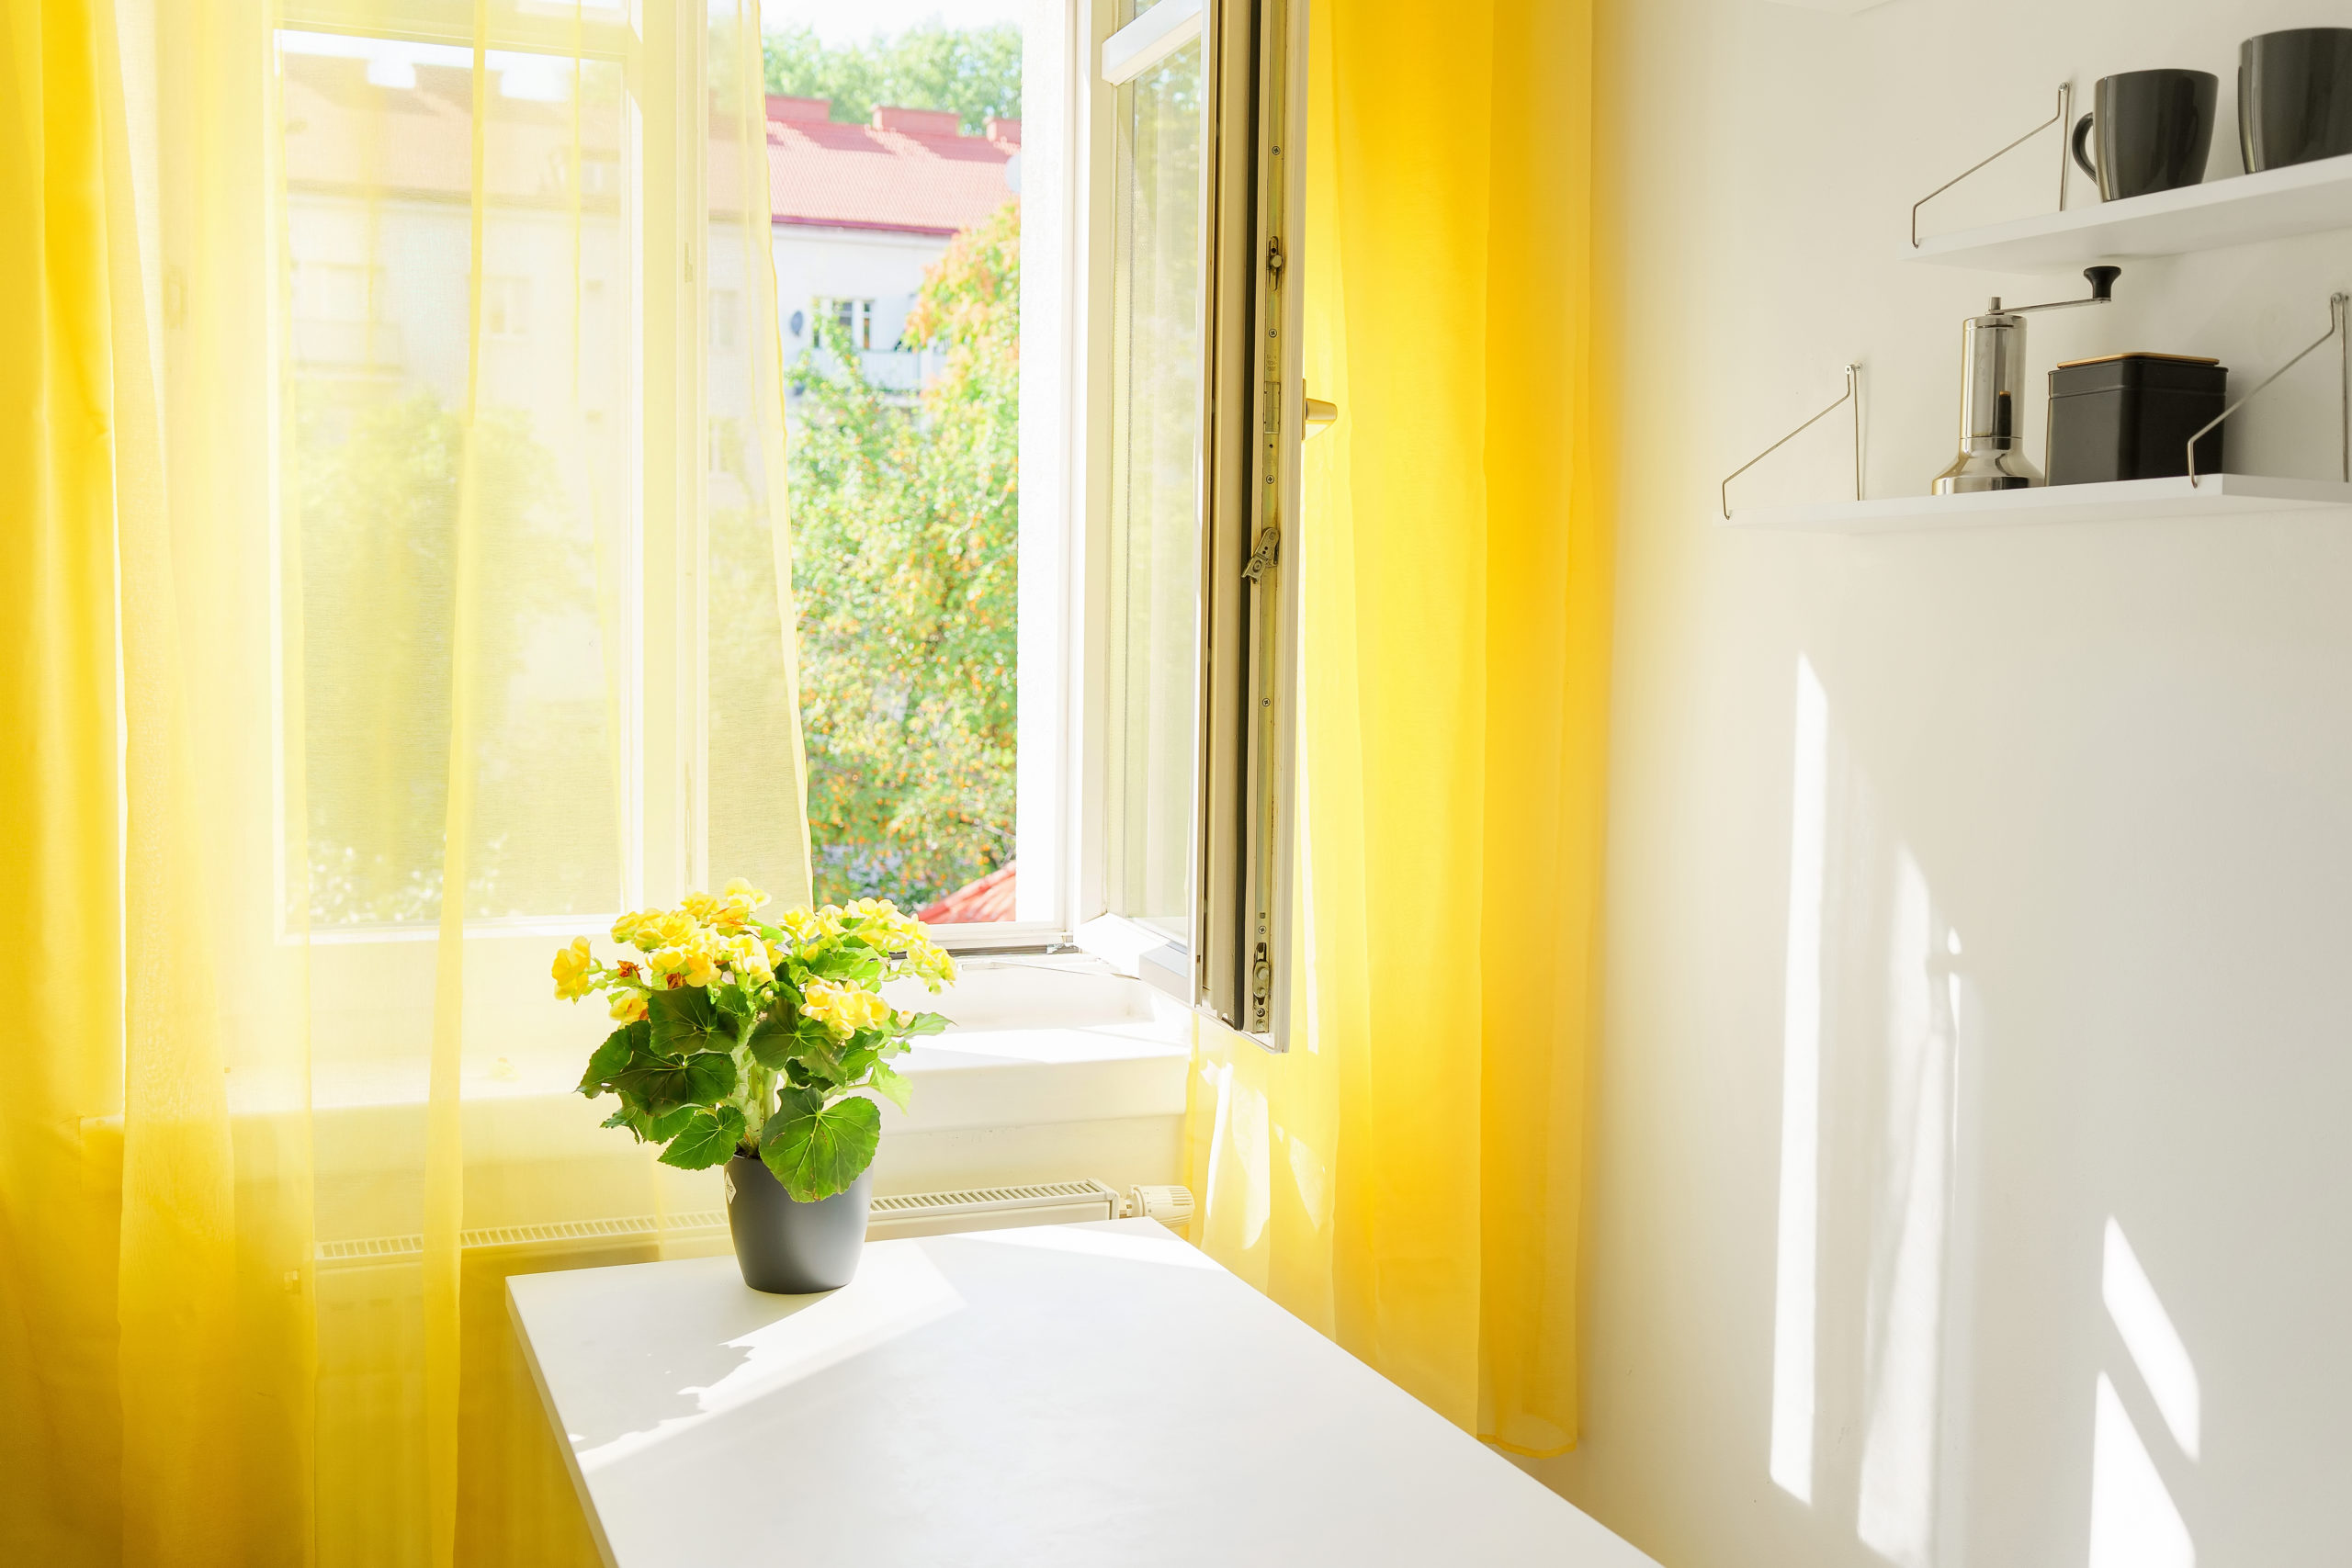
2216 495
2306 198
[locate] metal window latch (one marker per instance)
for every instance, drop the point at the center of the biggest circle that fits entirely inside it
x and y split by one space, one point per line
1274 254
1270 545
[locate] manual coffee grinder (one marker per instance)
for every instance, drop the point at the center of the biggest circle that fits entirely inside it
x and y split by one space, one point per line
1992 390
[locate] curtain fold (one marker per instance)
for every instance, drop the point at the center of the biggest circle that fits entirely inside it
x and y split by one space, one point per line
1408 1177
60 858
341 538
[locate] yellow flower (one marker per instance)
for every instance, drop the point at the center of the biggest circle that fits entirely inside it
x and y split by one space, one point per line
698 905
640 930
572 967
747 955
628 1006
675 928
844 1009
737 889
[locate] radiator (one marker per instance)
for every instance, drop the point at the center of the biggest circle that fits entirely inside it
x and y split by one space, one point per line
897 1214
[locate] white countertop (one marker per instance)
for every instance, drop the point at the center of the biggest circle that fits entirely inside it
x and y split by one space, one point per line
1096 1395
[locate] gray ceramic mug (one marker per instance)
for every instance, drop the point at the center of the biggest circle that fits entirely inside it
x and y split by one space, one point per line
2152 130
2294 97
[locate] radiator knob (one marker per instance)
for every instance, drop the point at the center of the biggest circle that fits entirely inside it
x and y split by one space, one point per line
1171 1206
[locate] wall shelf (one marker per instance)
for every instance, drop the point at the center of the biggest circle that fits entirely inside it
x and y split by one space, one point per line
2307 199
2216 495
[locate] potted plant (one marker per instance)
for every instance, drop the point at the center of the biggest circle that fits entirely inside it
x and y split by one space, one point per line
750 1045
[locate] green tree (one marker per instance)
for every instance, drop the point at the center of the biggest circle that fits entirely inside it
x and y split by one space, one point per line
905 561
976 71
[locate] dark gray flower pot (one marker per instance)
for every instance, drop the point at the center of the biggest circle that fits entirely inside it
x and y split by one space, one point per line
790 1247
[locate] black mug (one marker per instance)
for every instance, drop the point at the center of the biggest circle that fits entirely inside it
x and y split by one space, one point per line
2294 97
2154 129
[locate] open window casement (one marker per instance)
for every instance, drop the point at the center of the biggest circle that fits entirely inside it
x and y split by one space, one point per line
1206 415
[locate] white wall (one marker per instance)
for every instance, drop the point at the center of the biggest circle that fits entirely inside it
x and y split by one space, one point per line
2113 762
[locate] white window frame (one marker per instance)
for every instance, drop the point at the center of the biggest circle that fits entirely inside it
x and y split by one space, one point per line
1065 176
1236 968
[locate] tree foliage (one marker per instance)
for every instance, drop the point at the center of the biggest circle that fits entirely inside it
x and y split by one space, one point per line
905 564
976 71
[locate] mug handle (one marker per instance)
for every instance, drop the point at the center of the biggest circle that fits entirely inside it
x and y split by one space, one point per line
2082 130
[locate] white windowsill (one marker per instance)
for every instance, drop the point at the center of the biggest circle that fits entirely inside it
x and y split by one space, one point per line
1035 1039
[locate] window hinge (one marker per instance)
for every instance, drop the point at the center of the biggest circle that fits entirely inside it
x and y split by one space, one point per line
1270 547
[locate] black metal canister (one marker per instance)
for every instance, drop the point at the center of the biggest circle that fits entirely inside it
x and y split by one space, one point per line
2129 416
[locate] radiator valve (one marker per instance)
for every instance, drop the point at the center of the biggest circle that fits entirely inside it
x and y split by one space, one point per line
1171 1206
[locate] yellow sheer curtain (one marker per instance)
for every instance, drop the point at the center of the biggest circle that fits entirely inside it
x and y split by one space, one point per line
1408 1177
359 434
60 862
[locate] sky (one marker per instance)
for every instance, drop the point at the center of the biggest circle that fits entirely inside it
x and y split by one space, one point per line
854 21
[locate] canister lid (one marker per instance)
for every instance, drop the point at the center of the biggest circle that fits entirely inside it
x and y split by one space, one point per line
2138 354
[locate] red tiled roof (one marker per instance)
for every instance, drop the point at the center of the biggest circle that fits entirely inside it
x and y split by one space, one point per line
989 899
343 132
910 170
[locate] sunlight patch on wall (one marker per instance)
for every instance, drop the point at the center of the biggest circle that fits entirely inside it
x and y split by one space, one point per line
1794 1328
2148 1333
1871 1337
1897 1513
2133 1521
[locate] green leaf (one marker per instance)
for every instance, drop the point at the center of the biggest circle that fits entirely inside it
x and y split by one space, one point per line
893 1085
683 1020
771 1038
710 1076
661 1129
707 1139
853 1063
613 1055
924 1023
815 1149
656 1080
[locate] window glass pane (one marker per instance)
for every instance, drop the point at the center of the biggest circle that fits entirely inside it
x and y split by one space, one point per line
748 726
1157 303
385 472
896 157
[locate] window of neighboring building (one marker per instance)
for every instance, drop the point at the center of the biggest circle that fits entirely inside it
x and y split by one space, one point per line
506 306
844 326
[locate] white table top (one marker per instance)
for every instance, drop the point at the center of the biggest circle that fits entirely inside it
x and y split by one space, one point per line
1092 1395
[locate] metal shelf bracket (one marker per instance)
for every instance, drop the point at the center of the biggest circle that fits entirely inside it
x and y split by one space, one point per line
2065 108
1852 394
2337 307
